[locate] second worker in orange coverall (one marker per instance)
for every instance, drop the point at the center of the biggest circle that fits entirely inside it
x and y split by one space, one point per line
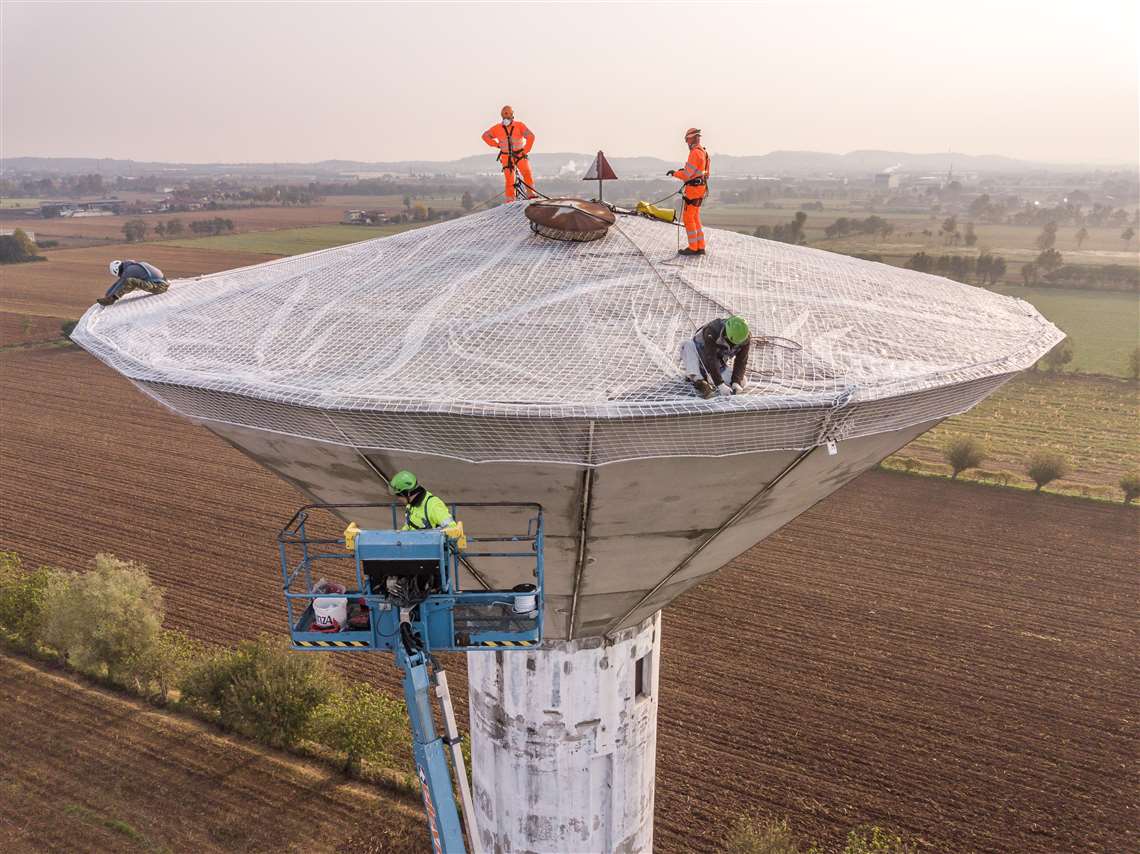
695 174
514 141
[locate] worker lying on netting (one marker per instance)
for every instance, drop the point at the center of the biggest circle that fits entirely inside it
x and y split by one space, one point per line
707 354
514 141
133 276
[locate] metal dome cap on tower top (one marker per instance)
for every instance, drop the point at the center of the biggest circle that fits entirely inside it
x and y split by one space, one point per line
481 340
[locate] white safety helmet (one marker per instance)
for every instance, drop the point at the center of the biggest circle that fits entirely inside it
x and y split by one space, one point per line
115 267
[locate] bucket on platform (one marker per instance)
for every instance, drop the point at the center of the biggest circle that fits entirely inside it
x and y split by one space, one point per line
526 598
330 613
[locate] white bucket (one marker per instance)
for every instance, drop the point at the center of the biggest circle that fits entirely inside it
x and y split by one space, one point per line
330 611
527 601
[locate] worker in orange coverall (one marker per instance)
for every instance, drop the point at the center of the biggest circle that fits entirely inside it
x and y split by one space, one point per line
695 174
514 141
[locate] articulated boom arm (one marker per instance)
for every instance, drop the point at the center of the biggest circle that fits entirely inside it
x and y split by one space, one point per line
405 597
420 672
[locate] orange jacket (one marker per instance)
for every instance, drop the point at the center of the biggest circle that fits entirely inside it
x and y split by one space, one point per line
515 138
697 166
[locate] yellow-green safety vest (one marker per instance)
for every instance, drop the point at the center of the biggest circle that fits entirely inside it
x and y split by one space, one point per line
429 513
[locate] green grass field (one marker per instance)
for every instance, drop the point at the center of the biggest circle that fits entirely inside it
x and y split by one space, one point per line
6 202
1093 421
1104 326
293 241
1016 243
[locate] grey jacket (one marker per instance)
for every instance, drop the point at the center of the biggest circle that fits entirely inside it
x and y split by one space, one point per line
715 350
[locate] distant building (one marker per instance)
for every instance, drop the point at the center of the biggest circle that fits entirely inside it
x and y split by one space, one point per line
887 181
98 207
361 217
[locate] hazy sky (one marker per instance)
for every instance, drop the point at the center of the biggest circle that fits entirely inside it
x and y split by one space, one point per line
202 82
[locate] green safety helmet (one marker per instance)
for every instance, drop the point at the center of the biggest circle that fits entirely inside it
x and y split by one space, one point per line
402 482
736 329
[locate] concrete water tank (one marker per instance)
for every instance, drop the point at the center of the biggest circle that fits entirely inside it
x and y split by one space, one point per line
500 365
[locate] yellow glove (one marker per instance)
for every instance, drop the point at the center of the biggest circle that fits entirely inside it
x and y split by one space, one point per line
350 536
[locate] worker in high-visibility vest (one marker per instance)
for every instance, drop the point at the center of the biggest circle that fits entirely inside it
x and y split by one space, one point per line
514 141
423 510
695 174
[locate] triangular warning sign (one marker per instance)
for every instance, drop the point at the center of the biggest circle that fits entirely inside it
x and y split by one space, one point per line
600 170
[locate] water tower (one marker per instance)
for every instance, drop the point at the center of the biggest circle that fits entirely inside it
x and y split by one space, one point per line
498 365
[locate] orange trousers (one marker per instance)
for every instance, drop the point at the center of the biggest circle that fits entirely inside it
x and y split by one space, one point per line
509 176
691 217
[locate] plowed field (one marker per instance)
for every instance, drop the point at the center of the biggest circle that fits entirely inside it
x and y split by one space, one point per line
956 661
22 329
85 770
72 279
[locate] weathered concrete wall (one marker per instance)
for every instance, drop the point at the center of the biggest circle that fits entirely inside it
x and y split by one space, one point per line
563 744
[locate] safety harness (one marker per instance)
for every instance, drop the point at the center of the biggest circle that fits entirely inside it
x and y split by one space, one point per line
512 158
698 181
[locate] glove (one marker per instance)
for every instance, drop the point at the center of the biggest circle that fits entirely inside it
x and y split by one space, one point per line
737 388
724 390
671 172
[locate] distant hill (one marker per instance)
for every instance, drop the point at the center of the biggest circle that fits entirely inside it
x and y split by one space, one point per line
774 164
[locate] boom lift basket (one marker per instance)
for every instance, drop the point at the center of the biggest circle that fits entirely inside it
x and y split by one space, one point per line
392 576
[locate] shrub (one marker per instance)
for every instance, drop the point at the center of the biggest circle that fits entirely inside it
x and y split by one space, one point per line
134 230
1130 486
23 593
1045 467
158 668
17 247
964 452
1058 357
875 840
261 689
752 836
362 723
104 618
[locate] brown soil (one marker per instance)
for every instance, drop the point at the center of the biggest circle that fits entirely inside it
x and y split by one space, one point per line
72 279
82 769
17 330
955 661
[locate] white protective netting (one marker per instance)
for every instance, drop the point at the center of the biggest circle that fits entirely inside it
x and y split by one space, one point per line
481 340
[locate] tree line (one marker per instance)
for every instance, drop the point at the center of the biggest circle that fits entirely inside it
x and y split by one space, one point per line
107 623
135 230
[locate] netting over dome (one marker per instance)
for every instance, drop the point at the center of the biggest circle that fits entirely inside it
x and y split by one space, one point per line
481 340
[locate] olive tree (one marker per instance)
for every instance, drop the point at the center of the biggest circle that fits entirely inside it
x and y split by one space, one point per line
104 618
964 452
1045 467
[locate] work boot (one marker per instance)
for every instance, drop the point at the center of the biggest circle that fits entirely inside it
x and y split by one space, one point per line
704 388
106 300
687 251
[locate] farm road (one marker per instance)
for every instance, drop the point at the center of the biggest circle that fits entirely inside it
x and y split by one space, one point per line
956 661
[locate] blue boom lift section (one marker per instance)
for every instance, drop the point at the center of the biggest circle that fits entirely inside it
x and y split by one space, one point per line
405 597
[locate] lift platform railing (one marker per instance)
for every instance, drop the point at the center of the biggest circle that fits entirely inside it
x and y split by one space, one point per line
447 616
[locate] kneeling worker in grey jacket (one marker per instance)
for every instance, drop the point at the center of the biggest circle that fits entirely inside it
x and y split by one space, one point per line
707 354
134 276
